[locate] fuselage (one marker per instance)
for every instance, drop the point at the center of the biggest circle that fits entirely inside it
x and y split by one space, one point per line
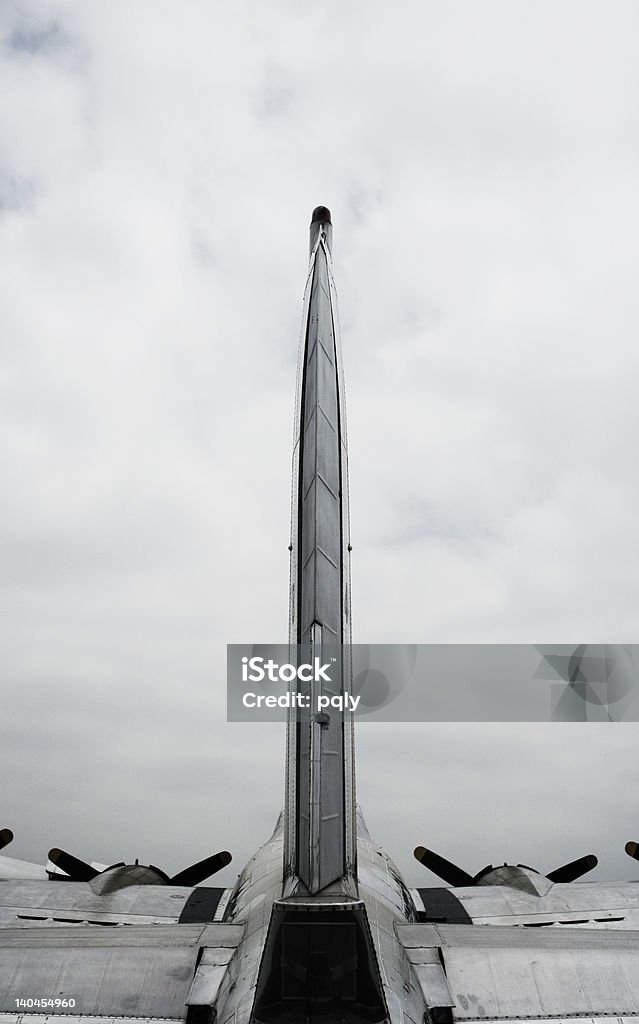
383 898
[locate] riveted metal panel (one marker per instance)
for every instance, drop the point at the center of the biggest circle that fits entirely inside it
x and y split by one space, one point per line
12 868
521 938
538 982
327 464
320 831
209 975
206 985
433 984
74 1018
159 935
590 1018
497 972
487 903
138 980
328 546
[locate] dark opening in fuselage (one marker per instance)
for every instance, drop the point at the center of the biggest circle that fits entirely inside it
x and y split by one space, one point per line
319 964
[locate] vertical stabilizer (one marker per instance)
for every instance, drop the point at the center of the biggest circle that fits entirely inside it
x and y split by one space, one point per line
320 820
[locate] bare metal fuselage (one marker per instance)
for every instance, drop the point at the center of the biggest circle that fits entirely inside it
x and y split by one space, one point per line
382 895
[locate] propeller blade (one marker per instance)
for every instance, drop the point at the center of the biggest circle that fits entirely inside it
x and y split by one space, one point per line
632 849
439 866
76 869
575 869
6 835
196 873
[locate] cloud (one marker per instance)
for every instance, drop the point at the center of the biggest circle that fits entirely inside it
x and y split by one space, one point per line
158 175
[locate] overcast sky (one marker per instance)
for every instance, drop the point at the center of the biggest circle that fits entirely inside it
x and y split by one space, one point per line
159 165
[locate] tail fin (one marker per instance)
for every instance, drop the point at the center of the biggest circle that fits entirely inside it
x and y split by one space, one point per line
320 836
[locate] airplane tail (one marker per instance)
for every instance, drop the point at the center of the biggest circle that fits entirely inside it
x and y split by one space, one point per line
320 831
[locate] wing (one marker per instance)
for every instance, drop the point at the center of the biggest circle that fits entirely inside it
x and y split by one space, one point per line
506 974
596 905
62 940
148 971
27 903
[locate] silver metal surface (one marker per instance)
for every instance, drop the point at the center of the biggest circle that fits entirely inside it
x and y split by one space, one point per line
12 868
596 904
120 971
208 975
492 972
320 833
22 902
517 877
71 1018
431 976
